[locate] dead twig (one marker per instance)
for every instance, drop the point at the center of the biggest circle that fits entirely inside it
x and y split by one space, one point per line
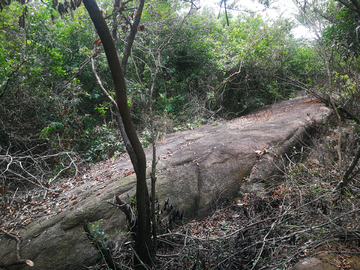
18 257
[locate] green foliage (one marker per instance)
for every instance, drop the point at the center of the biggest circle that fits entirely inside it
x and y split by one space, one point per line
46 96
343 32
40 95
81 133
259 58
97 234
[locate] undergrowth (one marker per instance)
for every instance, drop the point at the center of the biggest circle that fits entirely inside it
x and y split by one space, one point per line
293 220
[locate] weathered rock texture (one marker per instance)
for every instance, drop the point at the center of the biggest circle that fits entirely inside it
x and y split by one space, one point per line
196 169
312 264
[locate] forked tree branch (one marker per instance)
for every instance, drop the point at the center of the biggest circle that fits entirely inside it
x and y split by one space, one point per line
143 240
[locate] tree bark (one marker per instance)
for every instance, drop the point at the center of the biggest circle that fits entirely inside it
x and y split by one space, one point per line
143 237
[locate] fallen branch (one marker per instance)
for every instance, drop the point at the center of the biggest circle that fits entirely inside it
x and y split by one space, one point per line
18 257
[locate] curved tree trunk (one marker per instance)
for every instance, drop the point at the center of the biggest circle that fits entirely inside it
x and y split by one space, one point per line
143 240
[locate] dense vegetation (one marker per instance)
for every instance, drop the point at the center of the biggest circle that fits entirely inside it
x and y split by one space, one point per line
52 104
187 67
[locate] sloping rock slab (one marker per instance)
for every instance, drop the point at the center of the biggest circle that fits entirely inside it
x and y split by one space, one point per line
196 169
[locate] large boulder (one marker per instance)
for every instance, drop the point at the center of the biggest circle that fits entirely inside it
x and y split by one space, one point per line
196 170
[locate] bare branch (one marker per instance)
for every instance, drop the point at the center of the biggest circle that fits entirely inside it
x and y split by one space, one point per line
18 245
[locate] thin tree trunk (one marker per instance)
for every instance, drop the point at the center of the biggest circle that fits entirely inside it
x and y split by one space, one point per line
143 237
154 161
131 36
336 113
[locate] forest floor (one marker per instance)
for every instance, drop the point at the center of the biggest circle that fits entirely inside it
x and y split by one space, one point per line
302 215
